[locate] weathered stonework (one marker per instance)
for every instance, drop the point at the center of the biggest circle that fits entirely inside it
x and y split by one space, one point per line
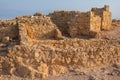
36 27
9 29
70 23
47 50
75 23
51 57
105 15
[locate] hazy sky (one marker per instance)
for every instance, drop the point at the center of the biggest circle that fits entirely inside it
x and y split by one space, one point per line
12 8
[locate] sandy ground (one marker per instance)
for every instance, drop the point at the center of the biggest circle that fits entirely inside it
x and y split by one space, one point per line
113 34
104 73
98 73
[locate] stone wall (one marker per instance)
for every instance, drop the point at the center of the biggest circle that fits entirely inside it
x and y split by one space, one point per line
41 55
75 23
105 15
50 57
62 19
95 22
35 28
70 23
8 29
28 28
79 25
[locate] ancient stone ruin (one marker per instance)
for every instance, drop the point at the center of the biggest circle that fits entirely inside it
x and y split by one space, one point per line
40 46
76 23
53 26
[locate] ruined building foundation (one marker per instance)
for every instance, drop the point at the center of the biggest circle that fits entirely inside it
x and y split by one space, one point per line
76 23
40 46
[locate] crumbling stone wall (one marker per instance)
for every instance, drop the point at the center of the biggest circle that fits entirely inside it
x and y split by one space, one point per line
75 23
35 28
70 23
62 19
28 28
106 17
95 24
8 29
79 25
41 57
51 57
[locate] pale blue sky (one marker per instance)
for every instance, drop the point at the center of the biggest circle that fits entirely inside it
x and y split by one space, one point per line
12 8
